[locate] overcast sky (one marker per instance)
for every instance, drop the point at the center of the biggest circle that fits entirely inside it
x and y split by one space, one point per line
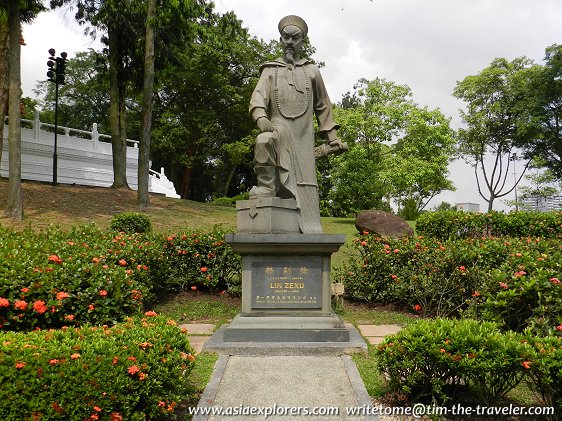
427 44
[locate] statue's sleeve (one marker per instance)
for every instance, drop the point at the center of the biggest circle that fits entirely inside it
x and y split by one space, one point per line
322 104
261 97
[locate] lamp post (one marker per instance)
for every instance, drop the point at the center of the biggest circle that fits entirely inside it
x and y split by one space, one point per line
56 72
514 158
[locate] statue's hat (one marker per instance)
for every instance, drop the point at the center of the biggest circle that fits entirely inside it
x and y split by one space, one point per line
293 20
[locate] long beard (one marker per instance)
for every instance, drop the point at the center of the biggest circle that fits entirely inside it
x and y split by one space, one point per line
290 56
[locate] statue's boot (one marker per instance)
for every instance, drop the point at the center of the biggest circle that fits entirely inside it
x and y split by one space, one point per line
266 182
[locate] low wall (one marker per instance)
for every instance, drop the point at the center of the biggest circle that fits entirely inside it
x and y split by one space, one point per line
83 160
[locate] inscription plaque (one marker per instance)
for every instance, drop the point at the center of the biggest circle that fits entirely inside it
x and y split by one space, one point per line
287 283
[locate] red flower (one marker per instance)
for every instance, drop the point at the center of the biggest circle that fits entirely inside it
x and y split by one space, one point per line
151 313
417 307
95 260
4 302
462 268
526 364
363 243
131 358
559 327
75 356
103 292
142 376
555 281
97 409
504 285
57 407
204 269
194 288
69 317
39 306
133 370
91 307
54 362
115 360
62 295
115 416
122 262
24 290
20 305
520 273
55 259
19 365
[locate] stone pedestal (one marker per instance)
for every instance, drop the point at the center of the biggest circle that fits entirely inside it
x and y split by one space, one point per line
267 215
286 289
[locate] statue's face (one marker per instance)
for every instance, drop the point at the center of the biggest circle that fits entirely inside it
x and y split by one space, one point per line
292 39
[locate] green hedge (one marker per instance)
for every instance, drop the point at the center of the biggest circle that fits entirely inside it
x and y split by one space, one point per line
448 361
453 224
512 281
134 370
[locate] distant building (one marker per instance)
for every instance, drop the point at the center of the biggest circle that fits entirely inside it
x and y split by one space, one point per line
542 204
468 207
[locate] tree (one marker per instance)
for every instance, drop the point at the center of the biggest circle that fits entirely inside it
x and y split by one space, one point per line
4 61
543 106
542 185
15 15
202 106
148 88
398 151
495 124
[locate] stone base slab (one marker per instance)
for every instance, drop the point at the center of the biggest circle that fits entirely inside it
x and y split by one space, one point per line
286 329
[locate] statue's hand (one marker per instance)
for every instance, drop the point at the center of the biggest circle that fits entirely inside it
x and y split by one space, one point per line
337 144
264 124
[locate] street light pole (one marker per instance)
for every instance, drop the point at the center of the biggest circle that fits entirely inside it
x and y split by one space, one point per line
56 75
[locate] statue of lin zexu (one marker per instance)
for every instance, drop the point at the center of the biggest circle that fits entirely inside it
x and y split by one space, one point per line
289 92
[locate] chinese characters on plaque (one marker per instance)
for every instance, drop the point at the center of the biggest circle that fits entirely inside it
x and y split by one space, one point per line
294 283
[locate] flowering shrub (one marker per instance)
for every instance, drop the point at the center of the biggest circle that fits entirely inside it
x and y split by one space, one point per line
54 278
442 360
515 282
452 224
198 260
134 370
545 372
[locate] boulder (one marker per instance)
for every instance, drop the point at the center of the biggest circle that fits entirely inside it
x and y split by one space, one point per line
382 223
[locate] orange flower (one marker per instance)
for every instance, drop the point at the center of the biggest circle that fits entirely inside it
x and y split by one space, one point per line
194 288
150 313
190 357
62 295
131 358
39 306
97 409
54 362
133 370
476 294
20 305
4 302
91 307
103 293
122 262
69 317
55 259
115 416
75 356
142 376
417 307
204 269
115 360
526 364
19 365
24 290
504 285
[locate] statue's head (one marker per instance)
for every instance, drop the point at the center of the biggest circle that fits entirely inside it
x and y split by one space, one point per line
293 30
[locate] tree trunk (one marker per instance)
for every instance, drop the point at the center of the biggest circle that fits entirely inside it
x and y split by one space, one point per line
185 182
14 207
148 88
4 60
116 112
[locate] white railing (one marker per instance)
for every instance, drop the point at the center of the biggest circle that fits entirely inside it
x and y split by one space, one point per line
84 157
